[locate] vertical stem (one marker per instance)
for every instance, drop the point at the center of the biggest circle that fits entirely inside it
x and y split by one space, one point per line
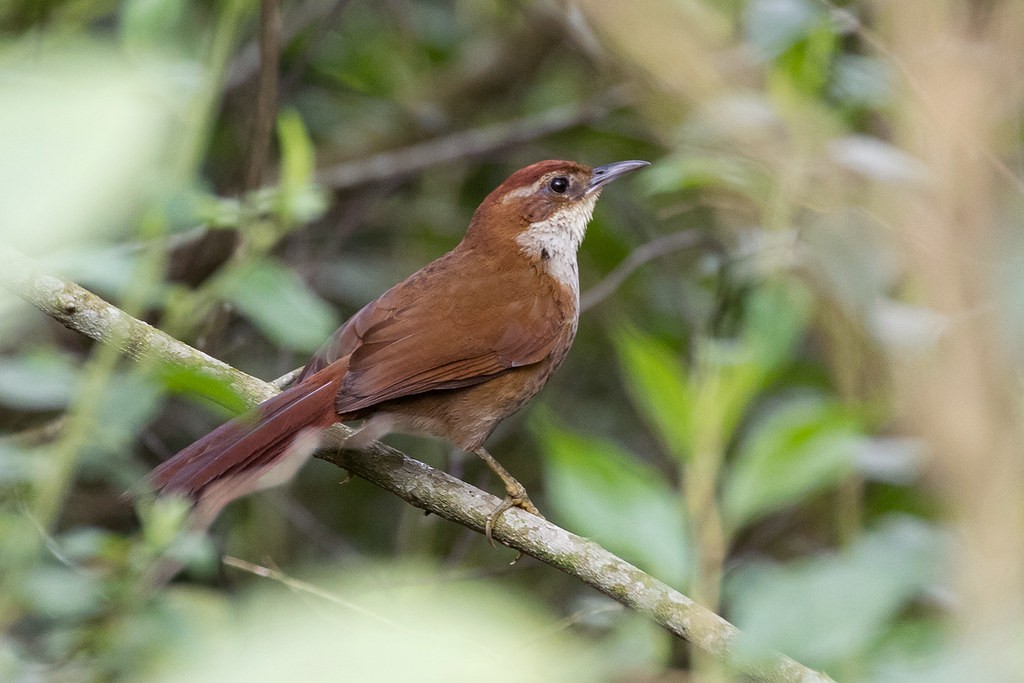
266 99
700 487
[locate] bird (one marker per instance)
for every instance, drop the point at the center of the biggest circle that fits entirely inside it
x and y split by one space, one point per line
450 351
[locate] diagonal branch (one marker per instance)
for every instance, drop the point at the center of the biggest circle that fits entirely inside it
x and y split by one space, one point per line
656 248
468 143
414 481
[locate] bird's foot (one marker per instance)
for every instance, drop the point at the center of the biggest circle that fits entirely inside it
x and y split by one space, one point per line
516 498
515 495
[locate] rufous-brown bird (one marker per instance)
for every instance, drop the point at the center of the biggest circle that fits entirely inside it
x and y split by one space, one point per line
451 351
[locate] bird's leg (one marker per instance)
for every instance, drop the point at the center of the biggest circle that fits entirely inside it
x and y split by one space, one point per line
515 494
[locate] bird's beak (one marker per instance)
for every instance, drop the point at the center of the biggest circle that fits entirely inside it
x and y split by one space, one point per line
609 172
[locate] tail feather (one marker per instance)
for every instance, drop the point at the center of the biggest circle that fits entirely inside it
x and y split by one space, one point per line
253 443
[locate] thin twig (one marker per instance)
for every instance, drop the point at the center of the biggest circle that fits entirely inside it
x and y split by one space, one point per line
304 587
464 144
416 482
646 252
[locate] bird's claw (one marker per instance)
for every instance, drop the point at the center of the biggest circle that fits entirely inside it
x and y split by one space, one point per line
516 498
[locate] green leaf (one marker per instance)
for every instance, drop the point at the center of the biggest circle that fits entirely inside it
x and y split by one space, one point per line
22 465
775 318
281 305
829 608
659 388
146 24
773 26
299 200
730 373
444 630
60 592
298 160
85 135
112 270
187 380
127 402
807 65
799 448
606 494
166 532
692 172
41 381
727 378
862 81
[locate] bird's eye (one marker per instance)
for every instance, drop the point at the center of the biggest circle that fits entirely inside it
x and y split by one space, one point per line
559 184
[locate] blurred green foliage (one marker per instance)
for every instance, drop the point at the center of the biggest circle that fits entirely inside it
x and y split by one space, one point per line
730 419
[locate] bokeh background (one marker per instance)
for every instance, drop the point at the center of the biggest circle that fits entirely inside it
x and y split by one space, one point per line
795 395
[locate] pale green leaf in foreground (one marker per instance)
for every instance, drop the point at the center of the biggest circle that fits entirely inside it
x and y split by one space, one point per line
84 135
381 624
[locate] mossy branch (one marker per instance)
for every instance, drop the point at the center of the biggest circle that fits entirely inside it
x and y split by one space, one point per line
413 481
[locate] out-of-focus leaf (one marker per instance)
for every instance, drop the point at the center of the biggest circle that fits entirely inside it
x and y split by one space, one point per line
877 160
730 116
905 326
60 592
773 26
82 545
697 172
727 379
775 319
806 66
996 657
41 381
897 461
84 137
823 610
218 212
862 81
298 160
354 279
636 644
659 387
21 465
125 405
445 631
179 379
298 200
606 494
166 534
281 305
148 24
106 270
162 520
800 448
730 373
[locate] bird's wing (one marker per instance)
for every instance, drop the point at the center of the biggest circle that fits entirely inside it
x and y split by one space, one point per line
431 332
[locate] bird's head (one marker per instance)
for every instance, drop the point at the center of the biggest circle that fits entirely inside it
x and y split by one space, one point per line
546 206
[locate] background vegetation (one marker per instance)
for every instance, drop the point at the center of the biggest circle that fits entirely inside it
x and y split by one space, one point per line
795 395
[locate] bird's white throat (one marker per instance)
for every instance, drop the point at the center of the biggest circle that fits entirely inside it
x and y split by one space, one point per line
554 241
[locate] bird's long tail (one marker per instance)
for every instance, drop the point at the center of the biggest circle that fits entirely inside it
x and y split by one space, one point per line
254 450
